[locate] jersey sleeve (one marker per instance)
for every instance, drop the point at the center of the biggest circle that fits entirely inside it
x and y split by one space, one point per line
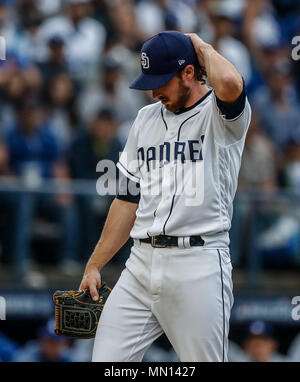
231 119
128 162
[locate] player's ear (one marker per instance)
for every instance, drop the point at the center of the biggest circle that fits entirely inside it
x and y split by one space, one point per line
189 72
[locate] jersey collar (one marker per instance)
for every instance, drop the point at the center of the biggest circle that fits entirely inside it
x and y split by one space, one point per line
185 109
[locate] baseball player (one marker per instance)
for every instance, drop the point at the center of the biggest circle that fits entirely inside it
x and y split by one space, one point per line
184 153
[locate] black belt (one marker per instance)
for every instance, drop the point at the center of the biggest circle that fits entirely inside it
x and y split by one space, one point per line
163 241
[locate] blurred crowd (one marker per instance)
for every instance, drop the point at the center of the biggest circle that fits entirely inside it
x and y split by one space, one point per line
65 102
258 343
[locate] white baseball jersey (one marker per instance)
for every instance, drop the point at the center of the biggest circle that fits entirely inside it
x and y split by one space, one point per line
187 166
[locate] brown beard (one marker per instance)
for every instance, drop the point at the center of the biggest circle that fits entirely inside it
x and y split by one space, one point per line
182 98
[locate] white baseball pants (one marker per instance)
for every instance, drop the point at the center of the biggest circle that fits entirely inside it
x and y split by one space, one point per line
185 293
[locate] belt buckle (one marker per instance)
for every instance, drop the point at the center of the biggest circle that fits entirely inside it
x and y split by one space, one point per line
154 243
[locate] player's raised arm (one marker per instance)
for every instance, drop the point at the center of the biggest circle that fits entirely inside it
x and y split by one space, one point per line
115 233
222 74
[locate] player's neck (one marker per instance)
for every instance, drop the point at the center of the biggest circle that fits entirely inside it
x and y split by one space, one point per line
197 92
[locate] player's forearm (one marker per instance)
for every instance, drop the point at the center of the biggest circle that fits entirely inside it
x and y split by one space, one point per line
222 74
115 233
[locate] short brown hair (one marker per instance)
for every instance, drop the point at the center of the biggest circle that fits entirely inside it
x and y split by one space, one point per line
200 73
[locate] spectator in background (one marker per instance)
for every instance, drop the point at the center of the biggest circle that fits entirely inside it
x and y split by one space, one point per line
101 13
13 91
55 62
125 24
204 27
261 34
89 147
27 10
158 15
225 41
33 153
49 347
8 26
49 7
60 97
258 173
110 92
277 104
287 15
260 27
17 80
27 43
127 37
258 169
84 38
97 143
260 344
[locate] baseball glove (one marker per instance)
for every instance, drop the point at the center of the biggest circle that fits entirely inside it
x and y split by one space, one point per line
77 314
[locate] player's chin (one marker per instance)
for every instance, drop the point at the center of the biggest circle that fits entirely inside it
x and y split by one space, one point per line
169 106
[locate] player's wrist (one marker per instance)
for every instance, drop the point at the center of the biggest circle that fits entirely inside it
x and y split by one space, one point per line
93 266
205 50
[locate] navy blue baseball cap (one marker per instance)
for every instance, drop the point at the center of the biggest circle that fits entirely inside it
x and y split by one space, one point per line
162 56
260 328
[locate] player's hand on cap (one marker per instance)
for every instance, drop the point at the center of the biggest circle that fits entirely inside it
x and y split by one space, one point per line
199 46
196 40
91 280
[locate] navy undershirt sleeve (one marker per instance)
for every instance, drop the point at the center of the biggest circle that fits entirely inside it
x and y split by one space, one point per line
128 190
232 110
129 198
